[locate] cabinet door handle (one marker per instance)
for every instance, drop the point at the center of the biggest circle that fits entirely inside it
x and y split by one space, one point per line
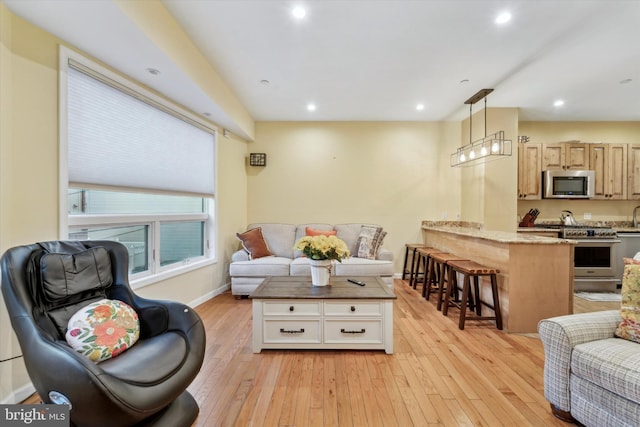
353 308
285 331
344 331
291 308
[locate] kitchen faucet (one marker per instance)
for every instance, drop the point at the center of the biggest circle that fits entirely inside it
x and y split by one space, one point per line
635 216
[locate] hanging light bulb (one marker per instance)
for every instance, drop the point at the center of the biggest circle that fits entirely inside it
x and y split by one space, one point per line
483 150
462 157
472 154
495 147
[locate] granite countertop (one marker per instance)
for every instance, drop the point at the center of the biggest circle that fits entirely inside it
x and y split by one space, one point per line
475 230
537 229
619 226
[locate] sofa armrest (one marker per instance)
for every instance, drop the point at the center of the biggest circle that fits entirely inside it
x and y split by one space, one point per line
559 335
384 255
240 255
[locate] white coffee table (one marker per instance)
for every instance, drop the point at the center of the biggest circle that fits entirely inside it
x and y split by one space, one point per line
290 313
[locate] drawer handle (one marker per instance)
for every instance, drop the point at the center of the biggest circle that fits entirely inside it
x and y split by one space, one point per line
353 308
291 308
344 331
284 331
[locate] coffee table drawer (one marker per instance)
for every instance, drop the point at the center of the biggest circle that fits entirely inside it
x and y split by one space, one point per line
353 331
352 308
291 308
291 331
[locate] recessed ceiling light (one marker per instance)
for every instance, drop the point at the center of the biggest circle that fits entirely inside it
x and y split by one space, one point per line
625 81
299 12
265 82
420 107
153 71
558 103
503 17
311 107
463 81
207 114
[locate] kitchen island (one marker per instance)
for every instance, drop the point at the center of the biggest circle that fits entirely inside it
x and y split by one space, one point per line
536 273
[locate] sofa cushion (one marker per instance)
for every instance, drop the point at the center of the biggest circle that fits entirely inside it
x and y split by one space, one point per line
261 267
612 363
629 327
279 237
300 267
253 242
363 267
369 241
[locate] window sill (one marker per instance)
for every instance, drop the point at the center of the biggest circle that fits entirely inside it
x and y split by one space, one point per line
167 274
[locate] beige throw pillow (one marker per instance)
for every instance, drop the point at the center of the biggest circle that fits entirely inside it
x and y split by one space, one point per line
369 241
629 328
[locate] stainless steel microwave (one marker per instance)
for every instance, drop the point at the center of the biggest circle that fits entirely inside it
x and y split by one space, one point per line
568 184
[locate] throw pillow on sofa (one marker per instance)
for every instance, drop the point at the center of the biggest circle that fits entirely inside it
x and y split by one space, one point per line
313 232
103 329
369 241
629 328
253 242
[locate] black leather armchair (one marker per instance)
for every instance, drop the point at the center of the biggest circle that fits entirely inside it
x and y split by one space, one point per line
143 386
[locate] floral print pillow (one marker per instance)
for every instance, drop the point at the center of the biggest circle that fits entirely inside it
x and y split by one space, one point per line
629 328
103 329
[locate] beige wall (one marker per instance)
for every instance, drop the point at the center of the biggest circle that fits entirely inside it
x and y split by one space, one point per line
489 191
29 178
602 132
392 174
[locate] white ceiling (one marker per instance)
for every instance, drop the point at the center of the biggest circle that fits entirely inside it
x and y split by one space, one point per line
375 60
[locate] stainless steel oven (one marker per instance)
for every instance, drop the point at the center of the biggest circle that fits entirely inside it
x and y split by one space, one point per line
595 264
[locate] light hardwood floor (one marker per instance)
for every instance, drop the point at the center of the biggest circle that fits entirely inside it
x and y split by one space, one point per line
437 376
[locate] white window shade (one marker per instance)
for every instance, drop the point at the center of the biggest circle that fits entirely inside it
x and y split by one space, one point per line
117 140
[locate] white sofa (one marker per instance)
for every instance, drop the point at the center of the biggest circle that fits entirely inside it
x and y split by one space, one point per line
246 274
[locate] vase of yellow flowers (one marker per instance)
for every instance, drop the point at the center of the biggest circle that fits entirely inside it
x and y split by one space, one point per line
321 251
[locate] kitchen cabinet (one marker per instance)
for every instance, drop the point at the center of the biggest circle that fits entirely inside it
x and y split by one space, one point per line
609 161
565 156
633 179
529 171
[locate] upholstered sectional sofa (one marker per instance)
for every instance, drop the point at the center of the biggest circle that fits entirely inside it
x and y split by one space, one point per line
590 375
281 259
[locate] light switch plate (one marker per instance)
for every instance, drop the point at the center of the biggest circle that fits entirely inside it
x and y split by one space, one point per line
587 215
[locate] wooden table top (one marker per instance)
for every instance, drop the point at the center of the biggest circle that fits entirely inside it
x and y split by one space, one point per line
300 287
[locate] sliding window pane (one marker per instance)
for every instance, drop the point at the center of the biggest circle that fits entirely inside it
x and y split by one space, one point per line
135 238
181 241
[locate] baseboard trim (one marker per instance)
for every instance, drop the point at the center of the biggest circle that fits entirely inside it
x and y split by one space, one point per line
206 297
19 394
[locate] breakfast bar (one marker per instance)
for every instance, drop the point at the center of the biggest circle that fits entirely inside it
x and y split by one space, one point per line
536 273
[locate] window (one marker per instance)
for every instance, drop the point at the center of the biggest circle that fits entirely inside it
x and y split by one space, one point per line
137 170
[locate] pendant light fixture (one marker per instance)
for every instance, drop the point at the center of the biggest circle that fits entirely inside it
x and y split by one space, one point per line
483 150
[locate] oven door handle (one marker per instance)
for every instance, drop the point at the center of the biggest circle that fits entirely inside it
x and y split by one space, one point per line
596 240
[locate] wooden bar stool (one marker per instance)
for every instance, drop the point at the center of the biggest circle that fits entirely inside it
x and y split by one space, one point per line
430 278
416 263
410 247
440 266
471 269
